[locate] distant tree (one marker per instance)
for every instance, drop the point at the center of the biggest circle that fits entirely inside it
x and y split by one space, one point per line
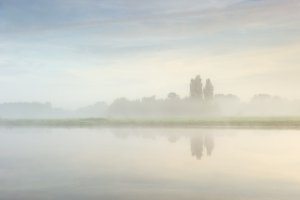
196 90
173 96
149 99
227 99
264 98
121 106
208 90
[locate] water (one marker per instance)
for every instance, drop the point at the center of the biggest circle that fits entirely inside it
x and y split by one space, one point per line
90 164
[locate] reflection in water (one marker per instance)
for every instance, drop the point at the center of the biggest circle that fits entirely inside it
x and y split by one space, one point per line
173 138
209 144
147 164
199 143
197 146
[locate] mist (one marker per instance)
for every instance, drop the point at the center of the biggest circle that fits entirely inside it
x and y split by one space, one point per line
149 100
202 102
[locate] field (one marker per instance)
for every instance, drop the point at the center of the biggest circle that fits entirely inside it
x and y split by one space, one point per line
225 122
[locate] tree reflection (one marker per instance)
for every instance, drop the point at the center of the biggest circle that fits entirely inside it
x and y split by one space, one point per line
209 144
197 146
199 143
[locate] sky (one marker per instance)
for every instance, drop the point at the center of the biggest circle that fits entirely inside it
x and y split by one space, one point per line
76 52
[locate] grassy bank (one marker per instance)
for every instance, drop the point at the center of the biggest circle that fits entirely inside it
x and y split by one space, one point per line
228 122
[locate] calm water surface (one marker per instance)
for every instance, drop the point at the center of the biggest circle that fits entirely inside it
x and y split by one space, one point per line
73 164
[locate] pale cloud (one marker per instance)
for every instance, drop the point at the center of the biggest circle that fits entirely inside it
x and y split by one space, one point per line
99 50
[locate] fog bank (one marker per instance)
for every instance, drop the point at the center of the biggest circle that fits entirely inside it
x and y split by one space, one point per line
202 102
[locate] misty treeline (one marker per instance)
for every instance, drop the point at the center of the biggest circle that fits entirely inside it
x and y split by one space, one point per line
201 102
198 103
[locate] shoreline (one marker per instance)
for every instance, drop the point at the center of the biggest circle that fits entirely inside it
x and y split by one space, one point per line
207 123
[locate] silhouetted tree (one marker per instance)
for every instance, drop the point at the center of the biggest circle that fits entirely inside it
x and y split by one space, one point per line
149 99
196 90
208 90
173 96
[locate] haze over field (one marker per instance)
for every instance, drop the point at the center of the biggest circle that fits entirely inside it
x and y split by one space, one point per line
202 102
75 53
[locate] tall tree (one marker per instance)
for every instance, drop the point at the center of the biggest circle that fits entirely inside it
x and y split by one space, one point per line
196 90
208 90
